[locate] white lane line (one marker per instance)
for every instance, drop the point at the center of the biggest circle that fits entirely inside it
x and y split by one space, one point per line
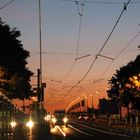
111 133
63 133
79 130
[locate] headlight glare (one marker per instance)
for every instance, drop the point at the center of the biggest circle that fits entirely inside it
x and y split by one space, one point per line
65 120
30 124
47 118
54 120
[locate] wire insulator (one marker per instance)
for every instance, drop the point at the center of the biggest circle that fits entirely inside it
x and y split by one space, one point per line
125 8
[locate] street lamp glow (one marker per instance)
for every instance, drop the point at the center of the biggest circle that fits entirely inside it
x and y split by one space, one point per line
97 92
54 120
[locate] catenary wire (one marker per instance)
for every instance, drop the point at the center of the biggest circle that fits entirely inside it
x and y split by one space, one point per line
71 68
129 43
103 2
6 4
124 8
80 13
34 53
80 23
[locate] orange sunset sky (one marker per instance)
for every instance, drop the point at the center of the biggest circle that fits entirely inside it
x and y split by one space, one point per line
67 35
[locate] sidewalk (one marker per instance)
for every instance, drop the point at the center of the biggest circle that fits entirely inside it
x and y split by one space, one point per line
117 126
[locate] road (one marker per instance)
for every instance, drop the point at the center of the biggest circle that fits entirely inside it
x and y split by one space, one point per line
76 130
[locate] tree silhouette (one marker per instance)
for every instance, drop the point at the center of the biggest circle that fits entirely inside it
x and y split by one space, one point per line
125 85
14 75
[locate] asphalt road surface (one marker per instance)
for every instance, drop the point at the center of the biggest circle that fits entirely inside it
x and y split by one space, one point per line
74 131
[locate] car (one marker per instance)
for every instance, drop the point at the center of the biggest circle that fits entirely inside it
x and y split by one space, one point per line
47 118
82 116
90 117
59 118
85 116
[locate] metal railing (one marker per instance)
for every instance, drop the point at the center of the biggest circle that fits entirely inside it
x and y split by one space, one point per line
8 113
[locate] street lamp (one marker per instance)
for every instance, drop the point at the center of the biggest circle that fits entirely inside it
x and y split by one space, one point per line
87 103
92 100
79 98
98 96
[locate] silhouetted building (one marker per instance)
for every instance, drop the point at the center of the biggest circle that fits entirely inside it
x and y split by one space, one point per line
103 106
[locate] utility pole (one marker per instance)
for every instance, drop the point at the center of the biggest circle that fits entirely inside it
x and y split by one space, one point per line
40 42
38 87
41 85
40 48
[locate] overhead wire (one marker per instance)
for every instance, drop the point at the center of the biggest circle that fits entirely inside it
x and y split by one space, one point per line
124 8
6 4
34 53
103 2
80 13
109 65
103 46
71 68
128 44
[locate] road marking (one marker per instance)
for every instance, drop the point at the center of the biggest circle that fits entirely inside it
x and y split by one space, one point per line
111 133
64 134
79 130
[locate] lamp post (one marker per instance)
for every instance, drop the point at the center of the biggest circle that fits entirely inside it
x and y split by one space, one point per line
86 98
98 96
92 100
40 41
98 101
79 104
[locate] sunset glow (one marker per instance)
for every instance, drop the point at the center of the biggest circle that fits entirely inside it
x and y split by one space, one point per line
61 43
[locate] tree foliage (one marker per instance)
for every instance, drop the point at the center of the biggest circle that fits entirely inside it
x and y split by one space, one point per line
14 75
125 85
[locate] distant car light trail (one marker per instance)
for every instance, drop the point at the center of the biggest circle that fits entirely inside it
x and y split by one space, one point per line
99 130
80 131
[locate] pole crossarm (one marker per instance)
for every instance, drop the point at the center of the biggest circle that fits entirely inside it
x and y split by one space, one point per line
82 57
106 57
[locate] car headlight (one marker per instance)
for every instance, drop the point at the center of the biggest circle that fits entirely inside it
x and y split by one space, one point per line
30 124
47 118
65 120
54 120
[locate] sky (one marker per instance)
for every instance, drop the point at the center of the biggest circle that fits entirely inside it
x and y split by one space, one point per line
67 35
